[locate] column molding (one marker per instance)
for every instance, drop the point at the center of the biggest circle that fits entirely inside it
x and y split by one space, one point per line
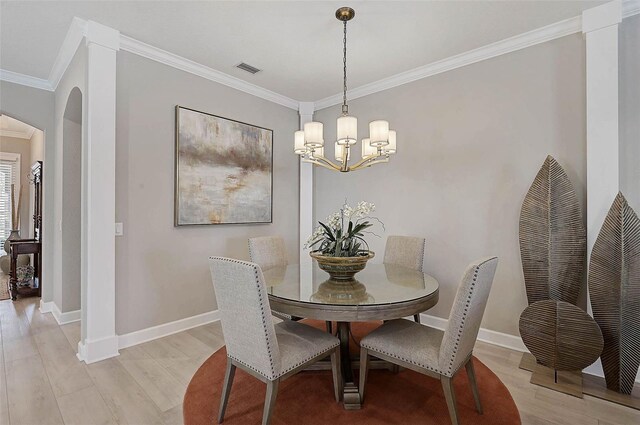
305 110
99 340
600 27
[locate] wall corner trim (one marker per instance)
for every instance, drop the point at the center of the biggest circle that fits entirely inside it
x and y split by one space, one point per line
103 35
166 329
46 306
602 16
72 40
92 351
306 108
63 318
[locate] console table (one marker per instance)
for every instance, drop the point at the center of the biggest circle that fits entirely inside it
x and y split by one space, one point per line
29 246
21 247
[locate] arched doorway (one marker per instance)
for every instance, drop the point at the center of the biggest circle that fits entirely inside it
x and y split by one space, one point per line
68 295
21 147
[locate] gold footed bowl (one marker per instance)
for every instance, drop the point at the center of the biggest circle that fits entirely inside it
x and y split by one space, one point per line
342 269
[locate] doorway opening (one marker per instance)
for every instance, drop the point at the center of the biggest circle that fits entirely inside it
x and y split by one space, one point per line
21 166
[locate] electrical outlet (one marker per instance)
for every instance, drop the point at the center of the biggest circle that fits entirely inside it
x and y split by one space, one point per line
119 229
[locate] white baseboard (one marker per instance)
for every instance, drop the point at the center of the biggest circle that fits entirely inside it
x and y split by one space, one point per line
91 351
505 340
46 307
166 329
63 318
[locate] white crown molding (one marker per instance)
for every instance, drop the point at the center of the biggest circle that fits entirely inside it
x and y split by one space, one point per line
512 44
602 16
25 80
17 134
75 34
630 8
102 35
150 52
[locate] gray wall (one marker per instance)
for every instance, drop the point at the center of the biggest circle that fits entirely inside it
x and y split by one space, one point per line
71 201
23 147
629 90
162 271
68 209
36 107
470 142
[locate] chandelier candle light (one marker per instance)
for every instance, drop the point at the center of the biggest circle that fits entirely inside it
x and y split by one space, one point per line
376 149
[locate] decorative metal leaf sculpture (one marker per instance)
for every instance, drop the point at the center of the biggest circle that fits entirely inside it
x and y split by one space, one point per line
560 335
614 286
552 237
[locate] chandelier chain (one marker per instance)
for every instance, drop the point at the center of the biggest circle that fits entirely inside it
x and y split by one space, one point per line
344 71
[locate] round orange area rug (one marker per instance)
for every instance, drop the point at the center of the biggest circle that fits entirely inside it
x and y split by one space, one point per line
307 398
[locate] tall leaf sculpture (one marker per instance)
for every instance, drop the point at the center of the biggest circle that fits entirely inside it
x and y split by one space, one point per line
552 237
614 286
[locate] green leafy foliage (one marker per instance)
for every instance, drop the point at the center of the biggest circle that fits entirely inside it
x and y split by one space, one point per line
343 234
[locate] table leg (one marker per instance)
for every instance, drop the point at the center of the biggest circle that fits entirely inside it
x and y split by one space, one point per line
13 286
351 398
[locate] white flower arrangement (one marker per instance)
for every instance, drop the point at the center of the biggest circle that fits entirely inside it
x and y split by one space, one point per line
342 234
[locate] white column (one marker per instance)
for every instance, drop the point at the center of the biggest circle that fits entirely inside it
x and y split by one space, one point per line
99 339
305 110
600 26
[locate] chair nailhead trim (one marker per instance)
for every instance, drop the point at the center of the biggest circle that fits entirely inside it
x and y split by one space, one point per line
375 350
264 319
464 318
300 363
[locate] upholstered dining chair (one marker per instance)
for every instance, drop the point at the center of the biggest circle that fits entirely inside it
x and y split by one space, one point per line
406 251
269 252
266 351
436 353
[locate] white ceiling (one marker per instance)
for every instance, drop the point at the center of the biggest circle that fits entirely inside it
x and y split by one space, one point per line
11 127
297 44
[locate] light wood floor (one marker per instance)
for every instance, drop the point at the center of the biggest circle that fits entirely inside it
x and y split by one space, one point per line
42 382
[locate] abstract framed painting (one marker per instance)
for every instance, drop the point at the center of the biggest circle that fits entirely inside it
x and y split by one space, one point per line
223 170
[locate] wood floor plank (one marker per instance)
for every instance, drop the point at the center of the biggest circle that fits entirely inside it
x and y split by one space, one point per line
173 416
85 407
126 399
20 348
27 383
4 403
208 336
66 374
145 384
72 332
163 388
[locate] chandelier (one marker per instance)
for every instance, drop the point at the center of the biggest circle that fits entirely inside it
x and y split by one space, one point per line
376 149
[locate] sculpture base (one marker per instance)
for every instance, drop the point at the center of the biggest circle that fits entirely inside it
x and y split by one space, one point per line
591 385
595 386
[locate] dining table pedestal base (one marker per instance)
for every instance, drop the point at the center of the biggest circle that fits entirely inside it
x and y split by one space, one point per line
350 395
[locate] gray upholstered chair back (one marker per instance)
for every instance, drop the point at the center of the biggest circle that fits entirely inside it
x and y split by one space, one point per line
466 315
406 251
245 315
268 252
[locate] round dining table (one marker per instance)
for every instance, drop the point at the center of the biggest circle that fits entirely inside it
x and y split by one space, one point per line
379 292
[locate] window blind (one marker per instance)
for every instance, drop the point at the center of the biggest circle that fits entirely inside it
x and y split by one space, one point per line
8 173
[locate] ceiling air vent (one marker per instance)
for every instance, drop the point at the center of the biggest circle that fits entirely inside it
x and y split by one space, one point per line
246 67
